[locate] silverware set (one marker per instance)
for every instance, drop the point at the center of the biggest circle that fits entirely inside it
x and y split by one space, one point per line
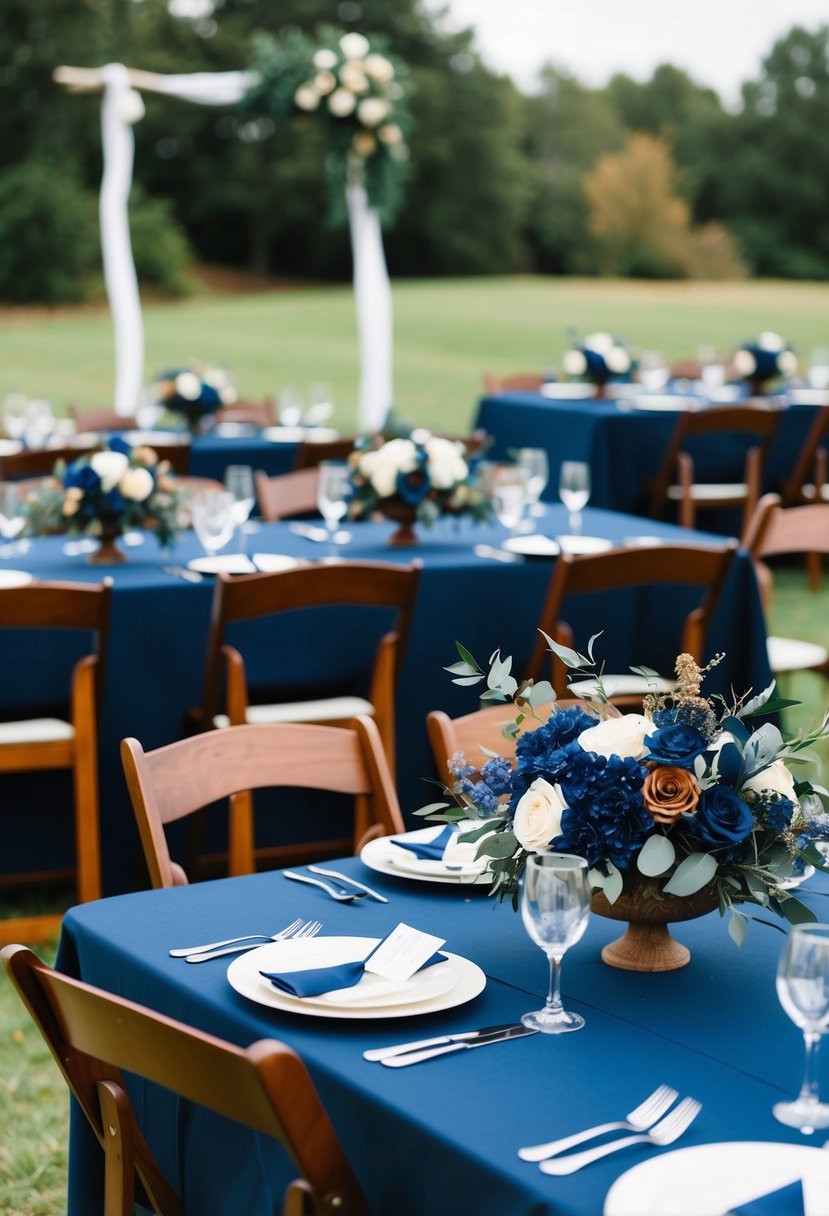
341 888
405 1054
249 941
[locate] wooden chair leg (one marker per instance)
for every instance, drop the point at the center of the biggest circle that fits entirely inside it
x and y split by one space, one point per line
814 568
119 1170
241 835
85 782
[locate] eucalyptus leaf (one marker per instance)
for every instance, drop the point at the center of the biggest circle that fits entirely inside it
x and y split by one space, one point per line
594 638
596 879
737 728
656 856
462 669
467 681
569 657
541 693
647 673
466 656
761 750
759 702
432 807
613 883
797 913
692 874
497 844
737 927
479 831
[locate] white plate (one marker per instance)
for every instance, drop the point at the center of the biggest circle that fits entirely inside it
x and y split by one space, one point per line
10 447
535 545
577 543
15 578
453 983
228 563
808 396
283 434
149 438
664 402
270 563
710 1179
385 857
643 542
566 392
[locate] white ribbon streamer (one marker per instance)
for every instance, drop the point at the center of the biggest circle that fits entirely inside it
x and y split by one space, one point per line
372 291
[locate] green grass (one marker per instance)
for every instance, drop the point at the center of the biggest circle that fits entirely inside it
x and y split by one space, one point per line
447 333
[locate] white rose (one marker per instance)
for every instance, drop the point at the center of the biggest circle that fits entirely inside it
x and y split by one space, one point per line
787 363
421 435
390 134
325 59
354 46
775 779
383 477
744 363
306 97
372 111
446 465
622 737
188 386
574 363
324 82
402 453
771 341
353 76
378 67
228 394
537 818
617 360
601 343
341 103
110 467
131 106
136 484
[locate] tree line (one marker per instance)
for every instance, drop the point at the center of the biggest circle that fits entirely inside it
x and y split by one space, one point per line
651 179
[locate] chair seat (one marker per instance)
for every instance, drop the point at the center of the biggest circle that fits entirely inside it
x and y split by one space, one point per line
331 709
36 730
792 654
711 492
624 686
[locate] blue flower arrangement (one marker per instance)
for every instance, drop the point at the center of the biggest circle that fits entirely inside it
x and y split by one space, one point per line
598 358
683 797
767 357
195 395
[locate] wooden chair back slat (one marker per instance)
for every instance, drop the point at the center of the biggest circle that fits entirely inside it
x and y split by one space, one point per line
806 465
287 494
259 413
776 529
519 382
100 420
309 455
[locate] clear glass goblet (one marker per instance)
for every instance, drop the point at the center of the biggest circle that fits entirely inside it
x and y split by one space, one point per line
12 523
803 990
213 521
534 460
574 489
509 493
555 907
332 496
239 482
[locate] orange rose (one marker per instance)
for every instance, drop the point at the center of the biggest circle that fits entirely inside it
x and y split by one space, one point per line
668 792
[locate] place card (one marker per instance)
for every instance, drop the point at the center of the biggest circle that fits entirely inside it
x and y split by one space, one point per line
402 953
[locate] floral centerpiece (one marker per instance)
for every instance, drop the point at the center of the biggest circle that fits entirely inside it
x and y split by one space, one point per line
677 810
597 359
194 394
419 477
764 359
103 495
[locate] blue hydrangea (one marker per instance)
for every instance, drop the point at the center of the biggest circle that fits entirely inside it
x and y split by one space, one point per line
774 813
605 815
495 780
535 750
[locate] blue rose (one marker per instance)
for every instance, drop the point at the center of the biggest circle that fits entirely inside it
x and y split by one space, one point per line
413 487
678 745
118 444
82 477
722 820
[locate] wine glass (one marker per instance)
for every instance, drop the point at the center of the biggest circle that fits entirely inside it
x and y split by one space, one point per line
12 522
534 460
509 491
320 403
213 519
818 368
39 424
712 369
332 496
555 906
574 489
653 371
291 406
14 415
239 483
803 991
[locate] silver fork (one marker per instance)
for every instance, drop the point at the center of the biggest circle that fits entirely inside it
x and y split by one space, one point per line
310 929
342 894
183 951
665 1132
639 1120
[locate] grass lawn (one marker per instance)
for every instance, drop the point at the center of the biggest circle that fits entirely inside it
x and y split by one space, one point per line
447 335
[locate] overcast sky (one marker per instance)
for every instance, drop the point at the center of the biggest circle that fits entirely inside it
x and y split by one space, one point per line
719 42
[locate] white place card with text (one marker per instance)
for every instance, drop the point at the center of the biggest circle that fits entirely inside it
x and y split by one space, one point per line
403 952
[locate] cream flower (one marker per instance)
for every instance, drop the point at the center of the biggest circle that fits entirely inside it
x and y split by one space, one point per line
324 82
353 77
325 59
379 68
537 818
390 134
188 386
306 97
574 363
146 456
624 736
110 467
136 484
372 111
446 464
354 46
744 363
600 342
787 363
776 779
341 103
364 143
617 360
771 341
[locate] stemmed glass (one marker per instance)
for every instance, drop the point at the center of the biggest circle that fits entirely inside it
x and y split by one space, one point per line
213 520
320 403
239 484
574 489
509 492
291 406
332 494
14 415
555 906
534 460
12 523
803 990
653 371
818 368
39 424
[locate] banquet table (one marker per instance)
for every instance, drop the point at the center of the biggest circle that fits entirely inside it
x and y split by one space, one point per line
210 455
441 1137
624 444
159 634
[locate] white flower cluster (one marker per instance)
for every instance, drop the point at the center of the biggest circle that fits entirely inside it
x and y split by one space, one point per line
353 81
188 385
115 472
616 359
444 466
770 349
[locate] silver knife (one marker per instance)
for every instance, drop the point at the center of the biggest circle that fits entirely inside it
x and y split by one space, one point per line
361 886
417 1057
189 576
309 531
404 1049
498 555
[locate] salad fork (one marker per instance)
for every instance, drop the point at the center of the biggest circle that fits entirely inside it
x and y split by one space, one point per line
638 1120
310 929
183 951
665 1132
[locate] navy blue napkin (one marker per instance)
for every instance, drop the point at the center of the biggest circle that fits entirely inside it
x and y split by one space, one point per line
427 850
786 1201
318 980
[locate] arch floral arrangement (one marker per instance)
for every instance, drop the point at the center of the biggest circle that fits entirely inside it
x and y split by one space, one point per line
355 91
194 394
665 803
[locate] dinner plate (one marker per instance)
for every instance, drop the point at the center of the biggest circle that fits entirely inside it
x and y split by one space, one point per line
149 438
576 543
283 434
228 563
15 578
710 1179
453 983
664 402
557 391
270 563
808 396
385 857
534 545
643 542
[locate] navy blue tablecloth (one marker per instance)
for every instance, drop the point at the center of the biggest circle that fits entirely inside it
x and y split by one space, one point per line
159 636
210 455
442 1137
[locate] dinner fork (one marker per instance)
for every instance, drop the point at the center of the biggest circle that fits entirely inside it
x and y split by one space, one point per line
310 929
665 1132
183 951
639 1120
343 894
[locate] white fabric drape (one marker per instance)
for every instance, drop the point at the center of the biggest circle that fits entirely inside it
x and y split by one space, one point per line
374 309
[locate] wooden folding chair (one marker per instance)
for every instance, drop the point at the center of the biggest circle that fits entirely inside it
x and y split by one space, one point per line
529 382
287 494
245 598
701 566
811 463
101 420
676 482
93 1035
309 455
174 781
37 744
776 531
259 413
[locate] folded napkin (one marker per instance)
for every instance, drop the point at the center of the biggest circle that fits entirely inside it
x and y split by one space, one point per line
785 1201
319 980
427 850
